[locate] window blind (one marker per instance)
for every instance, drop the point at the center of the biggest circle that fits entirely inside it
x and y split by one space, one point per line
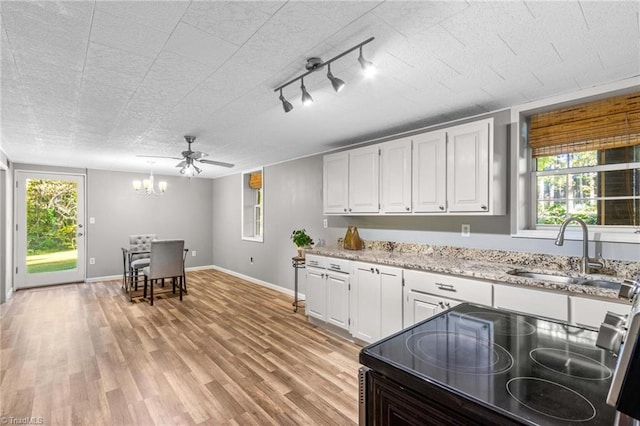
255 180
604 124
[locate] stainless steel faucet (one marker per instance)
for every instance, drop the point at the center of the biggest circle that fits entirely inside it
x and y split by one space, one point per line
586 265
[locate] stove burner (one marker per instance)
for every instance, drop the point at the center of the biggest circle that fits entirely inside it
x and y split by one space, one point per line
459 352
551 399
570 363
504 324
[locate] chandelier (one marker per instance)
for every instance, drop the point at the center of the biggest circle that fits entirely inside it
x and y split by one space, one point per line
147 186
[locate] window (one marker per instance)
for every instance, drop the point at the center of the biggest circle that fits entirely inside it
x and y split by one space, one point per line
586 162
253 206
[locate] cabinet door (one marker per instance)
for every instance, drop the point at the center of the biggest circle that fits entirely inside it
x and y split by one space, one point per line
420 306
395 172
429 172
366 307
390 300
468 165
338 299
364 185
316 296
336 186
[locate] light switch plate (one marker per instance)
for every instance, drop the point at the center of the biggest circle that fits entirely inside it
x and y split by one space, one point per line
466 230
325 223
193 253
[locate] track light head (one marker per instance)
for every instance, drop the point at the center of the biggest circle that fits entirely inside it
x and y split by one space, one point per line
368 68
286 105
337 84
306 97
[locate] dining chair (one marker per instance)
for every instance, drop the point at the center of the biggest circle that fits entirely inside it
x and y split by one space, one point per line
139 254
167 261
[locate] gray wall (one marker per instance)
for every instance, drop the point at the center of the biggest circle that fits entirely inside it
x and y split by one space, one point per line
292 200
184 212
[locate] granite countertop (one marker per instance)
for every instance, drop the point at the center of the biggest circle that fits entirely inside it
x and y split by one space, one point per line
489 270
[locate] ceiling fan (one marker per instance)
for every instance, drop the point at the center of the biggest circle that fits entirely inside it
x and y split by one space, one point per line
189 158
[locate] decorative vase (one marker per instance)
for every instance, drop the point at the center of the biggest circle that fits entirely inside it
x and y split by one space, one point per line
301 252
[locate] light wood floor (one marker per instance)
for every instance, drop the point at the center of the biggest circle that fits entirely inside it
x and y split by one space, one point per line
231 352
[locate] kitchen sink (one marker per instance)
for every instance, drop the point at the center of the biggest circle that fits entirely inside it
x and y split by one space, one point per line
562 279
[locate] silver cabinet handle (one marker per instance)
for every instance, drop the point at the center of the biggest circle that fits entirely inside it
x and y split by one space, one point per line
407 208
349 208
345 209
483 207
80 234
441 207
447 287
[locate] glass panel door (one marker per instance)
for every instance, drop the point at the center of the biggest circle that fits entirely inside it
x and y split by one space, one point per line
50 217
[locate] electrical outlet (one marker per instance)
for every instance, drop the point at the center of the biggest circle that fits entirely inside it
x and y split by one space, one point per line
325 223
92 261
193 253
466 230
92 221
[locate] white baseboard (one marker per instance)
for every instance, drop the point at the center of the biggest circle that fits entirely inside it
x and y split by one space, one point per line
286 291
119 276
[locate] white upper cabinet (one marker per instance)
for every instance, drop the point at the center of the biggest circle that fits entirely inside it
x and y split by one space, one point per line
468 164
336 182
364 178
457 170
395 176
430 172
351 181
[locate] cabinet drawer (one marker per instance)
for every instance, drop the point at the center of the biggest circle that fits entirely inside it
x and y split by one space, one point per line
535 302
591 312
315 261
338 265
449 286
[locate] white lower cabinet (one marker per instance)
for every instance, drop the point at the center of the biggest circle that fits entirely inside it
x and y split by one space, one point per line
427 294
337 299
376 301
327 294
534 302
588 312
420 306
316 301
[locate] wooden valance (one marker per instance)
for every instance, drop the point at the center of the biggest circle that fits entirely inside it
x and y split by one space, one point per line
604 124
255 180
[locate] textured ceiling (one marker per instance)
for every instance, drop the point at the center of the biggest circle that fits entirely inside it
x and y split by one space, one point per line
93 84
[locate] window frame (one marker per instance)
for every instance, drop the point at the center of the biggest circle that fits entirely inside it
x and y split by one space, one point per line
249 203
523 186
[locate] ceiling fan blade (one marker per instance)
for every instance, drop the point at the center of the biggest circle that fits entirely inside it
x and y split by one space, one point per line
158 156
182 163
197 155
216 163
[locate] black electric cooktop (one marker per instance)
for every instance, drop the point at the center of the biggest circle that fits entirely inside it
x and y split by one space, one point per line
529 369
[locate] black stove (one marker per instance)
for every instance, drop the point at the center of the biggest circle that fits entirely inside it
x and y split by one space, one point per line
520 368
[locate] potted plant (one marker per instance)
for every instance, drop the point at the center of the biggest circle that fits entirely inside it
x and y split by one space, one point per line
302 240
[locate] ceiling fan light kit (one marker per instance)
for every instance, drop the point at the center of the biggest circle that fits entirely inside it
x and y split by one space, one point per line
315 64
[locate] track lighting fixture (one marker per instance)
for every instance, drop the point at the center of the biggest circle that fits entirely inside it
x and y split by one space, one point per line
315 64
286 105
337 84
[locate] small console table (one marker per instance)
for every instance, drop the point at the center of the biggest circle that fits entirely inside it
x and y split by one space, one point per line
297 263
